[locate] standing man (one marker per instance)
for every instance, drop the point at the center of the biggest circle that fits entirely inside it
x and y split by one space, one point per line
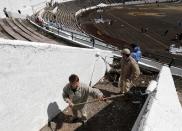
130 71
19 11
5 12
75 92
92 40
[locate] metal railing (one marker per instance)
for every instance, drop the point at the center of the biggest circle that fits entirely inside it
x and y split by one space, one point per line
87 41
75 36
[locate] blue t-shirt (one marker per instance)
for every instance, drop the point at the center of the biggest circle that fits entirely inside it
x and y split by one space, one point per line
136 54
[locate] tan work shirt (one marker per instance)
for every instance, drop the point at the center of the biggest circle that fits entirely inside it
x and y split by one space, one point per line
81 94
129 69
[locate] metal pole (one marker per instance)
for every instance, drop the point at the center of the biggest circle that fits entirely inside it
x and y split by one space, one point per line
96 100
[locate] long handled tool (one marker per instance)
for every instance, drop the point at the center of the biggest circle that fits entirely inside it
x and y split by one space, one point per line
96 100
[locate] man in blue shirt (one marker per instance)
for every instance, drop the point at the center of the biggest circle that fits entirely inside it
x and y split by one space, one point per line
136 52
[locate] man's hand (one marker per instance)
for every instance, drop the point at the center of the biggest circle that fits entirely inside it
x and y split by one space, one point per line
70 103
102 98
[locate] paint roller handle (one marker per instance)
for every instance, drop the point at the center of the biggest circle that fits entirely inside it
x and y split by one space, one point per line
96 100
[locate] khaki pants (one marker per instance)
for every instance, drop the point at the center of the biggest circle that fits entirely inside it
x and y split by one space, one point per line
81 109
125 85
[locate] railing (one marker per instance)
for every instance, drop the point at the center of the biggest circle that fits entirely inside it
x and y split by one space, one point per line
75 36
91 42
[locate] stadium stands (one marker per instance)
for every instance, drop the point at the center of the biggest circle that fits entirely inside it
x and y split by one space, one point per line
19 29
65 15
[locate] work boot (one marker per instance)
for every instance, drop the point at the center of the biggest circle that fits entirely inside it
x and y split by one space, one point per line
84 118
74 119
120 92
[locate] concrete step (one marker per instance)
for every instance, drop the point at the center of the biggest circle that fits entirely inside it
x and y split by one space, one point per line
26 30
10 31
19 31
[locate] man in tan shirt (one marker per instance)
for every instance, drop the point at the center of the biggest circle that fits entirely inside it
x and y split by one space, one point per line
75 92
130 71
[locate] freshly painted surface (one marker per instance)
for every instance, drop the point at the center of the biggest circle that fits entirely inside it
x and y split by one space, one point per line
32 76
163 111
27 7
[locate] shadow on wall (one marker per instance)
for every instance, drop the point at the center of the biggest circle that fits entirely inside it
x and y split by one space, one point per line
56 117
52 110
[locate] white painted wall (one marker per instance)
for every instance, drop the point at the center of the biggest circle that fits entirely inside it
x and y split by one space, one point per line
32 77
27 7
163 111
15 5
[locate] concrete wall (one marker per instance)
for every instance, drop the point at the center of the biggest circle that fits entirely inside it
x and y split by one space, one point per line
14 6
162 110
32 77
27 7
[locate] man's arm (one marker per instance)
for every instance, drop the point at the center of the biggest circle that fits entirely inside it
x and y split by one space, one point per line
135 71
66 97
95 93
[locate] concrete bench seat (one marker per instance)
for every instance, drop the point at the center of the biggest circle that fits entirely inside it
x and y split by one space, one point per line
19 31
27 25
10 31
3 34
26 30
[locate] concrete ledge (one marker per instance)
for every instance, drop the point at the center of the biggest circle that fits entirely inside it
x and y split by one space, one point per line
162 111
